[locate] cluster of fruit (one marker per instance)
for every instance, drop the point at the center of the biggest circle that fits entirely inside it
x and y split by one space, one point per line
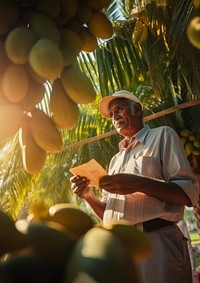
39 44
140 32
63 244
190 142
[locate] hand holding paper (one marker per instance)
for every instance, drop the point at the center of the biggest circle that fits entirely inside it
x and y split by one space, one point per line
91 170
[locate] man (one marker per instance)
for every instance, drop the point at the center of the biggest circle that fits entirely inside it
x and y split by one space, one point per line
149 182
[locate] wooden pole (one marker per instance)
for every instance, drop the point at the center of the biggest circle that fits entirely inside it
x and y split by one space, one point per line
146 119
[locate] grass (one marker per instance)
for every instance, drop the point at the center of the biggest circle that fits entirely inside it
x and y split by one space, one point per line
195 237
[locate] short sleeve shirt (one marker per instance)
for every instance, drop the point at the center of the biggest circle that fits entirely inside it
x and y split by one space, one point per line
155 153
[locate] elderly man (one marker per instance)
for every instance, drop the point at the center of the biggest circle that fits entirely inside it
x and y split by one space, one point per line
149 182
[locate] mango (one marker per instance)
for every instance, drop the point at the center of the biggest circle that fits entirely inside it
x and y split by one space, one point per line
44 131
65 112
15 83
10 238
89 41
46 59
11 117
50 241
44 27
33 157
100 255
100 26
71 217
78 86
19 43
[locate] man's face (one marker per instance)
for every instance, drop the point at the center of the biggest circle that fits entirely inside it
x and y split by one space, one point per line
124 118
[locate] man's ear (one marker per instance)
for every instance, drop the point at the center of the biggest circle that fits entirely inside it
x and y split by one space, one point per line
138 109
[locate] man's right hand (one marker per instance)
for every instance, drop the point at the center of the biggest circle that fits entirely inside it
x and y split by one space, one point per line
80 187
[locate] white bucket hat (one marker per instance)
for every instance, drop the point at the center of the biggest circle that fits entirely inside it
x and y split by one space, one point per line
104 103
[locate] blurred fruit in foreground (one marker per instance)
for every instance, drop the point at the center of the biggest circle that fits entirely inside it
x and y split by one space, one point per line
136 242
100 255
71 217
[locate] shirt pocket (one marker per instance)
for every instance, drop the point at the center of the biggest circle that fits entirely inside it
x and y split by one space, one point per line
143 165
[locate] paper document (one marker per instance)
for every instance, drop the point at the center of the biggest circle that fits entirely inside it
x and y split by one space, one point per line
91 170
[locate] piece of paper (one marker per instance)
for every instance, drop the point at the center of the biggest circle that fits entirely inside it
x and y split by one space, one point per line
91 170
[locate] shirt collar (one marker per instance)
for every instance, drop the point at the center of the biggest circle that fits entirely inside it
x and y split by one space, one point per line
139 137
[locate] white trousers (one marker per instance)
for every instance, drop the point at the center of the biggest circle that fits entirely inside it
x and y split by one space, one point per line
170 260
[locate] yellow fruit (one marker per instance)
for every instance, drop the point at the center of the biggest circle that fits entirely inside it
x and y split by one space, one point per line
144 18
69 8
15 83
196 143
89 41
193 31
185 133
191 137
18 44
97 5
44 131
9 15
70 46
33 157
134 240
50 242
44 27
35 95
11 116
144 35
101 255
137 32
46 59
184 140
78 86
10 238
50 8
196 151
71 217
188 148
100 26
33 75
65 112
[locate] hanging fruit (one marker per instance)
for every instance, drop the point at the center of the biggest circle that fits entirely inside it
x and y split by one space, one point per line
40 42
190 142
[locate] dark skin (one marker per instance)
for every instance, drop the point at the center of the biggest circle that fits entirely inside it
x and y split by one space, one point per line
127 119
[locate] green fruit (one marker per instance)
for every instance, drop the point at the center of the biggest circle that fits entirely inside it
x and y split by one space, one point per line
101 255
78 86
44 27
50 241
184 140
18 44
191 138
65 112
196 143
10 238
188 148
71 217
46 59
136 242
185 133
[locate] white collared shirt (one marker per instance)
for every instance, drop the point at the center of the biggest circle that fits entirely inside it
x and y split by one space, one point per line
154 153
